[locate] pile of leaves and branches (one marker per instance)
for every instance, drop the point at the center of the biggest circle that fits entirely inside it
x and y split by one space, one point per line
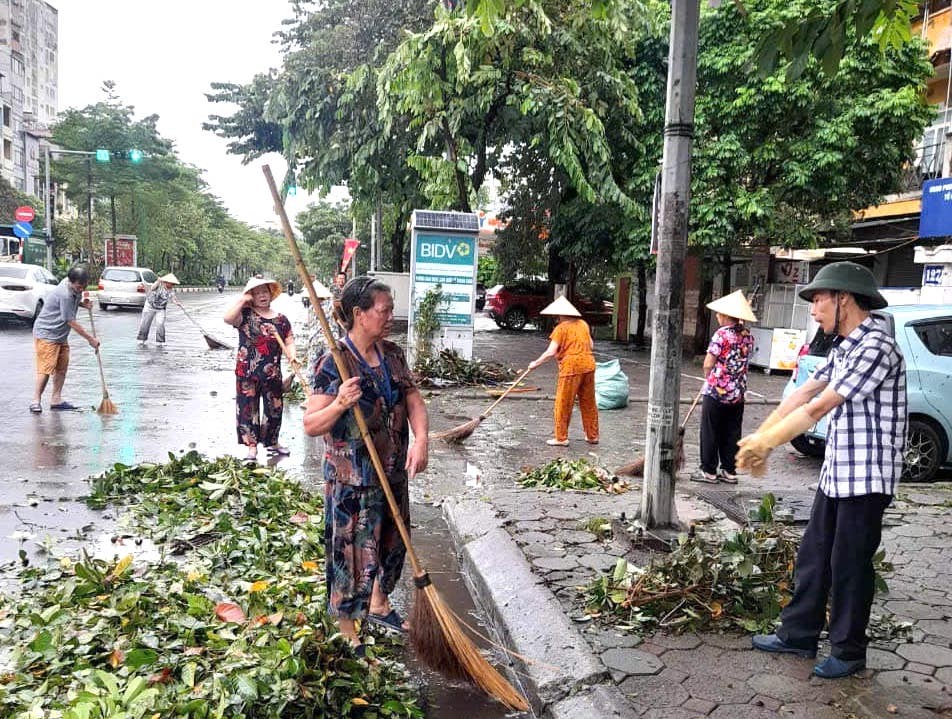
235 628
566 474
447 368
739 581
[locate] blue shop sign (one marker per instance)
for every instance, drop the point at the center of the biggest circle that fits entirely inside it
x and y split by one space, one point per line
936 217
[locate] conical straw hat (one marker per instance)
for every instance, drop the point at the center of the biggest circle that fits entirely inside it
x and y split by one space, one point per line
733 305
321 291
170 278
273 285
561 307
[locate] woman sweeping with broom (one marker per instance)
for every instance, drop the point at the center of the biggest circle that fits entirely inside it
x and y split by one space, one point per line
365 554
571 343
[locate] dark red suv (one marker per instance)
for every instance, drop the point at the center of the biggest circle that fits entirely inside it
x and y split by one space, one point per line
515 305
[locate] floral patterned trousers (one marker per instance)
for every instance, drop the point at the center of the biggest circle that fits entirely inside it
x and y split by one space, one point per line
361 544
253 391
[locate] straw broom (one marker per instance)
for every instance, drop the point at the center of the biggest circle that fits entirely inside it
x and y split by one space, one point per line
637 468
435 633
107 406
294 366
461 432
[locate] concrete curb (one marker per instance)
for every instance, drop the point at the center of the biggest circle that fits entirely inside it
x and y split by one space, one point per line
526 613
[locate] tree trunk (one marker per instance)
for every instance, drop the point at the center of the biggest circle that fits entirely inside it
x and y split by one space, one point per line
726 265
398 241
705 291
642 275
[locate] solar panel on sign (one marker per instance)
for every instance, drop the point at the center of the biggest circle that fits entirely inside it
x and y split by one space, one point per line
460 221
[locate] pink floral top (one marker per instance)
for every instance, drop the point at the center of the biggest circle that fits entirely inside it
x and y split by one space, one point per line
258 351
727 381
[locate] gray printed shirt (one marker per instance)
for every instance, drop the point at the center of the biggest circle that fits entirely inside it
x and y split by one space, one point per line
59 309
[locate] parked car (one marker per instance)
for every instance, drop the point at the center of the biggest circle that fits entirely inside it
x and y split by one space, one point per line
480 296
124 286
515 305
23 290
924 336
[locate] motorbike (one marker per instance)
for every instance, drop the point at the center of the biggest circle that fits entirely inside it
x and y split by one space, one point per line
221 286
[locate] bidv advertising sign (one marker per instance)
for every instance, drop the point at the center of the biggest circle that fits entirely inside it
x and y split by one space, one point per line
443 254
447 260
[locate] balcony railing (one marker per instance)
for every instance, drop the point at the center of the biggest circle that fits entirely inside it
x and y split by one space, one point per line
926 166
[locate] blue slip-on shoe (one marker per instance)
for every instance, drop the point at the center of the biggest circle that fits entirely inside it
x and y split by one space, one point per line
392 621
773 643
64 406
836 668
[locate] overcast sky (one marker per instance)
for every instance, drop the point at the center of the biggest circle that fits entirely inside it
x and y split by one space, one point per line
164 57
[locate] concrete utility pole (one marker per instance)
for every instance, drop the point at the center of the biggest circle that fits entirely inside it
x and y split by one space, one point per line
664 387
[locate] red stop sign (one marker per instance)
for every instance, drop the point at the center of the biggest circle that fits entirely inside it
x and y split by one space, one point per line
24 213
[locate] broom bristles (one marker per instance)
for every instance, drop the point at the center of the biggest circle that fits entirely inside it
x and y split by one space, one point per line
637 468
442 645
632 469
107 406
461 432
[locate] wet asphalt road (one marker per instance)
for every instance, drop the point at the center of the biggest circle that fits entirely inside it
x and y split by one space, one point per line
181 396
170 398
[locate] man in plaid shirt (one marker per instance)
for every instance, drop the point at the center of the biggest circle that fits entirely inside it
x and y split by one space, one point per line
863 384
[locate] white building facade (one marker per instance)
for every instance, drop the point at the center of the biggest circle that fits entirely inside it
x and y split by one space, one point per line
29 52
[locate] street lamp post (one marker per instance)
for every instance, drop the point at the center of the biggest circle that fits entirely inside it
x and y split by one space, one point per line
49 212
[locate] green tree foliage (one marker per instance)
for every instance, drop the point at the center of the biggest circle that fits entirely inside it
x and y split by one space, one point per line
324 226
320 110
776 160
181 227
822 32
11 198
783 161
546 75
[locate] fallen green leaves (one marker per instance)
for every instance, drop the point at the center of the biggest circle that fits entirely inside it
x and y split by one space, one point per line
572 474
449 368
237 628
741 581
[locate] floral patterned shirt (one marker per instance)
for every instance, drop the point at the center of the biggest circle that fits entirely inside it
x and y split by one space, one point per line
258 351
347 460
731 347
159 296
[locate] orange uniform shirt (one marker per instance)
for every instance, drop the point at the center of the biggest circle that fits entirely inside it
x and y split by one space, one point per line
575 347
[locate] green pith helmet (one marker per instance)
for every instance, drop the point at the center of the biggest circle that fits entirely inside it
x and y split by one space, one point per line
846 277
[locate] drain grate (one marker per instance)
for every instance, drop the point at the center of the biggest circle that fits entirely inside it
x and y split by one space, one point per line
735 504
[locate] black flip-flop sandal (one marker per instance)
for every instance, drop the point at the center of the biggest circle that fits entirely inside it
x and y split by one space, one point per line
392 621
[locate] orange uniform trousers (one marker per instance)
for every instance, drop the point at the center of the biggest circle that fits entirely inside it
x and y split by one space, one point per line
568 388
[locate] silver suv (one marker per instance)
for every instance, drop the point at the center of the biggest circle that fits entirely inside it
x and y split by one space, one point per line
124 286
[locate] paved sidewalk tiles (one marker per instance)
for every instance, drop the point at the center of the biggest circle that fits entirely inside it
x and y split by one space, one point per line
528 552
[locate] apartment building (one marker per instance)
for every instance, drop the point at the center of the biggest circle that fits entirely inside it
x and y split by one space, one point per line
893 226
28 89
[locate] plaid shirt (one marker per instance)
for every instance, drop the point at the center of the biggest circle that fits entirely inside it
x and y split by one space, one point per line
867 433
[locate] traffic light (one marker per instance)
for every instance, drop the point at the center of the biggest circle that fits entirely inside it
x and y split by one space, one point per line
134 156
292 190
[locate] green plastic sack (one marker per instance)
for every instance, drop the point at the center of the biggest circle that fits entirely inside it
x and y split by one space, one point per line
611 385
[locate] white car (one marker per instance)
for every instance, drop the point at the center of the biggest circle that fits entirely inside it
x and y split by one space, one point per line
124 286
23 290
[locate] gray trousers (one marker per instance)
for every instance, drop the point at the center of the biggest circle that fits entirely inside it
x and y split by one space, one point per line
148 314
